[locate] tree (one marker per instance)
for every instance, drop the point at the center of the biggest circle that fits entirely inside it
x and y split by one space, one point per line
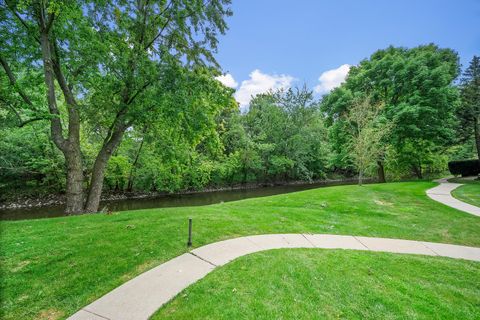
290 134
112 61
416 88
335 106
367 134
468 111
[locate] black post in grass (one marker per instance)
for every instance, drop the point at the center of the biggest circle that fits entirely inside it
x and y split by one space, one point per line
189 243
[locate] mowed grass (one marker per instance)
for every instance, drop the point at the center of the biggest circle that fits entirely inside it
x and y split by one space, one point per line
470 192
338 284
53 267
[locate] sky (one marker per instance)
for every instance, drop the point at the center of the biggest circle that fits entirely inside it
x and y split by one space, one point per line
274 44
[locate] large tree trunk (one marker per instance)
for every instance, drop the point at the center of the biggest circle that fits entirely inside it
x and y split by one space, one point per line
381 172
477 136
73 153
71 146
75 178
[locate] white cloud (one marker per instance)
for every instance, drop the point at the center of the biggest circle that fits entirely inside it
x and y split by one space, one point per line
331 79
260 83
227 80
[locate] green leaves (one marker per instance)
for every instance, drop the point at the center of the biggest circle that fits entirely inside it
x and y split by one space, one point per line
416 87
468 111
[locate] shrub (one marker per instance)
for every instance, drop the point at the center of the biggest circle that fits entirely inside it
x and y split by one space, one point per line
464 167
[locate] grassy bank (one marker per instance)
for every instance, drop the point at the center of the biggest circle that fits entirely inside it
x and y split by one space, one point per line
469 193
53 267
319 284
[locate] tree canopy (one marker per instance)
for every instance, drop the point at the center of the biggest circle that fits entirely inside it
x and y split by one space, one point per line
416 87
108 66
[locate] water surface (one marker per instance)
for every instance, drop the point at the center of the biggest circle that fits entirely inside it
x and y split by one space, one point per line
174 200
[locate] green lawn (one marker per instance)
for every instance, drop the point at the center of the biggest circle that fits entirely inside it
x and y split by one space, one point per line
53 267
469 193
320 284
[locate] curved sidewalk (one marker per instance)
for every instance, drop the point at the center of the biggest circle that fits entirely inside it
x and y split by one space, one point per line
442 194
140 297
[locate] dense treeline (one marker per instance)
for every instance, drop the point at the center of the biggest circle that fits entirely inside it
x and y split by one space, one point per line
281 138
125 99
284 136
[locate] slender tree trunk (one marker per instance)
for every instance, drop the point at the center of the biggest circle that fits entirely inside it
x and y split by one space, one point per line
381 172
96 183
360 176
477 136
245 175
134 167
98 172
135 161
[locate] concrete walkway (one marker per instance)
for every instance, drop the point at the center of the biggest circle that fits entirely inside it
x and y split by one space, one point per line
442 194
140 297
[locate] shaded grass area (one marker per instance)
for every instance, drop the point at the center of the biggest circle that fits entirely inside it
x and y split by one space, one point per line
53 267
320 284
469 193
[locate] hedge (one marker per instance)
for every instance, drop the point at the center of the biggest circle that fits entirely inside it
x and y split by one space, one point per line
464 167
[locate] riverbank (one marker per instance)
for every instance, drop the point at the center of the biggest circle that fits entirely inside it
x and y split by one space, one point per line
52 205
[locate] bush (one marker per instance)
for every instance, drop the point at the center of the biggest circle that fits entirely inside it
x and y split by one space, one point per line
464 167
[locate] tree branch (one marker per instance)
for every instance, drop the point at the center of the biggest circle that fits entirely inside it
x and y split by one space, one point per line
144 26
28 121
158 35
168 20
13 81
132 98
55 122
118 117
50 22
167 7
22 122
67 92
19 18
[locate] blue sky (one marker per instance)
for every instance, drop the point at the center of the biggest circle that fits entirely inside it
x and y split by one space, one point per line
280 43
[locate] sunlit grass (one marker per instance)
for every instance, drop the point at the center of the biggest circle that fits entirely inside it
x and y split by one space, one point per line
340 284
56 266
470 192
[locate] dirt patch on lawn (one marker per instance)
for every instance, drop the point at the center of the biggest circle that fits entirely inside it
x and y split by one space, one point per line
50 314
20 266
383 203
